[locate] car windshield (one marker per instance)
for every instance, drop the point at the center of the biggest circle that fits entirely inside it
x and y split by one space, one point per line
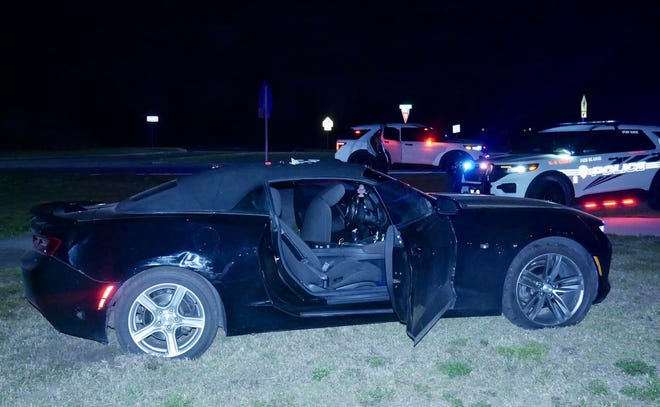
403 203
565 142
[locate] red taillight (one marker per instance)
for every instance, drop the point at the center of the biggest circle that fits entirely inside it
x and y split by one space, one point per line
429 141
105 294
339 145
45 244
629 202
609 204
591 205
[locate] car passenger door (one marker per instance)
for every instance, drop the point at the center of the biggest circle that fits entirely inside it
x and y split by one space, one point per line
420 266
419 145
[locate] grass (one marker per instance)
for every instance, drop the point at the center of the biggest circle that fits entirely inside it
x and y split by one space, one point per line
20 191
611 358
608 359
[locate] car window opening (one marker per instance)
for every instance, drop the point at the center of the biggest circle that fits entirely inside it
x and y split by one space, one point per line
332 234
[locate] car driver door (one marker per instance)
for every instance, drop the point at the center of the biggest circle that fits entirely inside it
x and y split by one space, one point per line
420 265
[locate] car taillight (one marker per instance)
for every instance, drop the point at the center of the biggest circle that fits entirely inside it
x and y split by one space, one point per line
46 244
339 145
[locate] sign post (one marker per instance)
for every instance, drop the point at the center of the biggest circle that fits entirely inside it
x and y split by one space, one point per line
405 111
265 105
327 126
152 120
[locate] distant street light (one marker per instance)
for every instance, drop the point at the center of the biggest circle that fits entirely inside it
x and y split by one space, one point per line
152 120
327 126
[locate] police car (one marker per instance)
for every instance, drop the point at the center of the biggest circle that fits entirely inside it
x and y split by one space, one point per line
576 160
408 143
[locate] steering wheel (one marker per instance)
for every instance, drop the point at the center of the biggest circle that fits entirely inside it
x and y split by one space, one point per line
372 215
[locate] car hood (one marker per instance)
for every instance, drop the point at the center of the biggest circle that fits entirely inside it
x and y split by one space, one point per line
525 158
466 201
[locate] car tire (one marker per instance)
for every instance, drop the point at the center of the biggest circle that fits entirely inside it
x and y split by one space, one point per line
552 282
365 158
654 192
361 157
168 312
550 187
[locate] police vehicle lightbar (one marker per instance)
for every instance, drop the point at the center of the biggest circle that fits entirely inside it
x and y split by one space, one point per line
611 122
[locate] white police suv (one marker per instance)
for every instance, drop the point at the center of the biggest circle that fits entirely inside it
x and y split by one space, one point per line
575 160
408 143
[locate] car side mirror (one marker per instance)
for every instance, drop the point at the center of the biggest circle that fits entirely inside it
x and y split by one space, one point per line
446 205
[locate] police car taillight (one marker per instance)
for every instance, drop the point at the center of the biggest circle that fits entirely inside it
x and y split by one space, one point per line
339 145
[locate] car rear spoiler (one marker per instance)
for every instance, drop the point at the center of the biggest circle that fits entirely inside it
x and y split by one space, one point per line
53 210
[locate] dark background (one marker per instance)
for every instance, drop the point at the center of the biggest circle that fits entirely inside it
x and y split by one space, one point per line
86 74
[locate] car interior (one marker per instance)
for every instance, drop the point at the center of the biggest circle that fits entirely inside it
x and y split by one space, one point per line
332 234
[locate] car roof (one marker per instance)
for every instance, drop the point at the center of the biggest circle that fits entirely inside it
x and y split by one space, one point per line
399 125
221 188
605 125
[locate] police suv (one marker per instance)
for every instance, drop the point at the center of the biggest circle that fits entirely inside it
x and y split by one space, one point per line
408 143
574 160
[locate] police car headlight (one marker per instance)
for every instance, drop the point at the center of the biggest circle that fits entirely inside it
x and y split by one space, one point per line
468 166
473 147
518 169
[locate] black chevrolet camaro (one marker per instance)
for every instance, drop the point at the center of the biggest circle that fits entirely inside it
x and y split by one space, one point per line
254 247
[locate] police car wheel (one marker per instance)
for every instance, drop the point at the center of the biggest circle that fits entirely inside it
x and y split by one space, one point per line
550 188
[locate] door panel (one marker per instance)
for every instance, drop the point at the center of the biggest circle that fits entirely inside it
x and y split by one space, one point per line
418 152
431 247
392 143
397 272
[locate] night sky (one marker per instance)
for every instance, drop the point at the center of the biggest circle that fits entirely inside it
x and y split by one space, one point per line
81 74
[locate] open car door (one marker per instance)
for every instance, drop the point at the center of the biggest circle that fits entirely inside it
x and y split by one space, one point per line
420 265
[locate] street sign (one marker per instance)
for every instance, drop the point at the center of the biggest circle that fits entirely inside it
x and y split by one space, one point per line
405 111
327 124
583 107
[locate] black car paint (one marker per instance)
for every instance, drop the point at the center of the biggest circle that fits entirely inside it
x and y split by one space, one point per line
236 252
485 252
